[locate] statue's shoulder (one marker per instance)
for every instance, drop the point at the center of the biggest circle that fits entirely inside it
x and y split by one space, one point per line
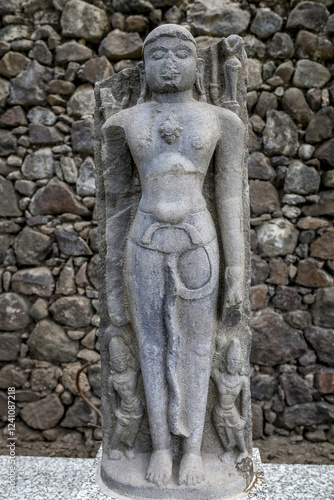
229 120
119 119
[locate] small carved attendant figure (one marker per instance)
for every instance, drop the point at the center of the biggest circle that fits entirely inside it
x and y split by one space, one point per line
125 402
231 384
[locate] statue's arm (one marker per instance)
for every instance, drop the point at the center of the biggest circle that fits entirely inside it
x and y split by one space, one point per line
113 396
118 186
245 397
229 160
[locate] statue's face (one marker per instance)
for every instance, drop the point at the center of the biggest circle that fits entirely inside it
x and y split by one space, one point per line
233 366
119 363
170 65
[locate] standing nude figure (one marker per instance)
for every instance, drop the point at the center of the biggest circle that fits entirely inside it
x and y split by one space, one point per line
231 384
172 259
125 403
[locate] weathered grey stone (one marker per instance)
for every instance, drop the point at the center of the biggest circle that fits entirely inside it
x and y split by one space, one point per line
260 270
294 103
254 74
285 71
41 53
68 378
82 101
323 308
8 143
43 414
322 341
13 32
82 134
69 169
208 17
28 88
8 200
82 20
13 117
43 135
4 91
75 311
72 51
54 199
323 247
263 197
10 345
287 298
266 23
281 46
66 283
43 116
14 312
325 152
95 70
309 15
38 165
70 243
263 386
310 74
79 415
310 46
120 45
298 319
304 414
253 46
60 87
12 376
4 245
280 135
295 389
37 281
86 179
325 205
274 341
301 179
44 380
39 310
12 64
310 276
259 167
276 237
49 342
31 247
321 125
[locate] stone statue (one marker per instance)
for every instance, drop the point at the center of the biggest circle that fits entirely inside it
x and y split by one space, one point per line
231 384
125 403
174 272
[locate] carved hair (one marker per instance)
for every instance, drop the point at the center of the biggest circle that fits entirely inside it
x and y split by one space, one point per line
172 30
234 350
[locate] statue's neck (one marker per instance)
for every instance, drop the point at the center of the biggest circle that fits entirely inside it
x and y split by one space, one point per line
171 97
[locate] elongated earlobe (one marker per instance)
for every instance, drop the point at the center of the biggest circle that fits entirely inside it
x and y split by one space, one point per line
200 80
143 83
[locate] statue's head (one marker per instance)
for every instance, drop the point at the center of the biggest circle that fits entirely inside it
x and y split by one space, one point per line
170 59
234 357
119 354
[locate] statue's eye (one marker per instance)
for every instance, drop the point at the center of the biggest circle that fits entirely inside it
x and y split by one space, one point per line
159 54
182 54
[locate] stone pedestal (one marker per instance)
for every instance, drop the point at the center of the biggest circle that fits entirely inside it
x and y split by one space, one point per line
93 487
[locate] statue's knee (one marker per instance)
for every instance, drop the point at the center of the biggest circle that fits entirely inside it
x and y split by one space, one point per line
194 268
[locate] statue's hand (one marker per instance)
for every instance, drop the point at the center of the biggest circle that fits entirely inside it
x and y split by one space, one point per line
233 296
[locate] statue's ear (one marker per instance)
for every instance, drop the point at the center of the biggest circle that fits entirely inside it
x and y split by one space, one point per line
200 79
143 84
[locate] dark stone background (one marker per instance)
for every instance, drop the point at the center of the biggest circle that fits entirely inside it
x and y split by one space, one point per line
52 52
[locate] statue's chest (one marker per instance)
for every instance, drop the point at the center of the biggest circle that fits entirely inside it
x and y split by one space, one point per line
172 131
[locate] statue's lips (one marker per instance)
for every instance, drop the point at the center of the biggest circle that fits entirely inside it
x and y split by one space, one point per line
170 76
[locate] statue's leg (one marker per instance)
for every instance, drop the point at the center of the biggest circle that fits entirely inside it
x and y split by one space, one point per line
114 453
197 324
240 440
145 295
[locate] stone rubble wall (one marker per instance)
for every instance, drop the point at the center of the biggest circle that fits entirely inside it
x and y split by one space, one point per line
52 52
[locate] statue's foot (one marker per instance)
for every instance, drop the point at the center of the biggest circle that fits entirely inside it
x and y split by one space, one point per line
191 469
226 456
160 467
114 455
129 453
241 457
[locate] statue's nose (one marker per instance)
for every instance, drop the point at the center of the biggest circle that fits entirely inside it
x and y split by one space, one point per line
170 62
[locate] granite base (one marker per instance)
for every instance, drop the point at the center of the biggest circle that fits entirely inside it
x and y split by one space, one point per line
93 487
